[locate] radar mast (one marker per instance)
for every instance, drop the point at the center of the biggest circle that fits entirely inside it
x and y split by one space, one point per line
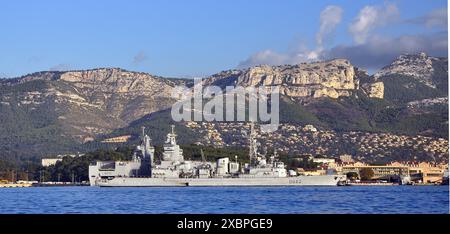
253 147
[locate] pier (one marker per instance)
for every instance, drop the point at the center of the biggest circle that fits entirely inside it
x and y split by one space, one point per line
14 185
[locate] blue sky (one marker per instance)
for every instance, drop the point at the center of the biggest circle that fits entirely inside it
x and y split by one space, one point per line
200 37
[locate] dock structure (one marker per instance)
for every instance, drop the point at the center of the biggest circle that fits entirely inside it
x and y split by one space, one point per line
14 185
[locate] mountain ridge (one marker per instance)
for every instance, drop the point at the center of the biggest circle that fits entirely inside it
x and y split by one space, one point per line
57 109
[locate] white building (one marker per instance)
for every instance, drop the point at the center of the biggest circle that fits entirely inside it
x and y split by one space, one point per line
324 160
309 128
222 166
233 167
46 162
346 158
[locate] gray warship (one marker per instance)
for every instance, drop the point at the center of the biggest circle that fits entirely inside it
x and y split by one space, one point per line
172 170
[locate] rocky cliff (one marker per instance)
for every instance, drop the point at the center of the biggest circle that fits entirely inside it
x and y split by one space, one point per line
91 102
53 111
335 78
125 95
374 90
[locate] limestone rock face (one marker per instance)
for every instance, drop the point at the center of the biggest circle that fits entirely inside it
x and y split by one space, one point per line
126 95
334 78
97 101
326 92
118 81
337 74
291 91
92 102
374 90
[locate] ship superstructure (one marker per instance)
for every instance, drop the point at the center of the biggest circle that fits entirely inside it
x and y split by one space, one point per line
173 170
259 165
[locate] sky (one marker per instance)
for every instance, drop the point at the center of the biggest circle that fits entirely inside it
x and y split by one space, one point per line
179 38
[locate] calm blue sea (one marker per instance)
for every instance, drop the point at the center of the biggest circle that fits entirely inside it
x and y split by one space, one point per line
388 199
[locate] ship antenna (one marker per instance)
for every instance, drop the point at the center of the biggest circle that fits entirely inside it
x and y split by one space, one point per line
252 144
143 132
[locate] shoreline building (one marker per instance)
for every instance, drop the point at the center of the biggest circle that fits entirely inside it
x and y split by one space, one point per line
427 172
420 172
46 162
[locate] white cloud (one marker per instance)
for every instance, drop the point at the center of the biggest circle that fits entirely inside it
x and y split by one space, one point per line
270 57
330 17
371 17
139 58
375 53
60 67
378 51
265 57
435 18
368 51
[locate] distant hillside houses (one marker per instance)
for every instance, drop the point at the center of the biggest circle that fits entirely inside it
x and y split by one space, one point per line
46 162
119 139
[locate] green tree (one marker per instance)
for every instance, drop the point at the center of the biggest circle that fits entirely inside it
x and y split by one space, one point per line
366 173
303 162
352 175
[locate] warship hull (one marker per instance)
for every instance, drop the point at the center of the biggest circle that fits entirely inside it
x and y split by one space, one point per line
324 180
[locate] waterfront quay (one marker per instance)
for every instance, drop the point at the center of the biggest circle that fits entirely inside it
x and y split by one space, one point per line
15 185
27 184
